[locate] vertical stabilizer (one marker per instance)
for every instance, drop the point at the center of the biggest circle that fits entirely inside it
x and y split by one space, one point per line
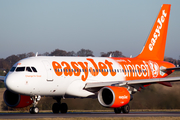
155 45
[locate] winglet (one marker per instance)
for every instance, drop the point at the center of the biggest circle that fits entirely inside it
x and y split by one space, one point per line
155 45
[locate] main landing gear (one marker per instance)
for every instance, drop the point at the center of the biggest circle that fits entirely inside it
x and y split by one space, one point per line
59 107
34 109
125 109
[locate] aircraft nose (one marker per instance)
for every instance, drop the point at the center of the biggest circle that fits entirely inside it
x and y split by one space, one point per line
10 83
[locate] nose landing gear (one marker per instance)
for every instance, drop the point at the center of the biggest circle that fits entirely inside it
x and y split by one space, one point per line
34 109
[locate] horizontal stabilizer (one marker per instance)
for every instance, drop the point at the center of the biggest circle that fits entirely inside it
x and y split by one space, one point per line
167 69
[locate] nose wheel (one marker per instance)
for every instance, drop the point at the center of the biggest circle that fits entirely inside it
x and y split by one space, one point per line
34 109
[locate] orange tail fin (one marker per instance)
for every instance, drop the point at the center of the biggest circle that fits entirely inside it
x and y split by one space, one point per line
155 45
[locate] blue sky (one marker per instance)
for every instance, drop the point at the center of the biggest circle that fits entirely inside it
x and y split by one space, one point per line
101 26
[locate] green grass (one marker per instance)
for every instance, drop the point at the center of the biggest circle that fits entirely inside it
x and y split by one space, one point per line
105 118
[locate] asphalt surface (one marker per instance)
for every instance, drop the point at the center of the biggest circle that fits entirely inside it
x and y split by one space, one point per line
87 114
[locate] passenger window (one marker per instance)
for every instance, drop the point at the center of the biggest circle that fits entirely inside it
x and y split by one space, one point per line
20 69
28 69
34 69
12 69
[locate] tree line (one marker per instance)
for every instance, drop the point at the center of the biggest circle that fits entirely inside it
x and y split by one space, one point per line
7 63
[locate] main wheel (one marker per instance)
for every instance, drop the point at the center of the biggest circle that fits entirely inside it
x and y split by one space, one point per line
64 108
117 110
56 108
126 108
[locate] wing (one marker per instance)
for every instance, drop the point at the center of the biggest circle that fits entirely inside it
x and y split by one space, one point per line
174 68
135 84
131 82
139 83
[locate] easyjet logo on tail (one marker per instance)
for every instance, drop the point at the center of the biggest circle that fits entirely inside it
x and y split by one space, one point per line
157 31
77 68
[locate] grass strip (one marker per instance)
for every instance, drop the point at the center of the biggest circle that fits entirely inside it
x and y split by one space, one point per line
115 118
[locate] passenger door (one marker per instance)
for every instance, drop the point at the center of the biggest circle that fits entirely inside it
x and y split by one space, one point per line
48 70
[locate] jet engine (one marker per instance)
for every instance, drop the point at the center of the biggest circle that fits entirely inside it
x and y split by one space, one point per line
113 97
16 100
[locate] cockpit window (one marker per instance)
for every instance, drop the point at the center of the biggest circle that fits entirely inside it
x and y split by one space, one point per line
12 69
28 69
34 69
19 69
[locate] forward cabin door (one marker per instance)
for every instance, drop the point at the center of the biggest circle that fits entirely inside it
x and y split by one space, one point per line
48 70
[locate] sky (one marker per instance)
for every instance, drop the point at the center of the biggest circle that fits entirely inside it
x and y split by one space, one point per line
99 25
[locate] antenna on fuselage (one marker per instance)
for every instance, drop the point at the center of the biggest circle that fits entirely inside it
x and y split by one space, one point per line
110 55
36 54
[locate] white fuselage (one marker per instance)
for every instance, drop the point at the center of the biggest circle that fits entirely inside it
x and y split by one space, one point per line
58 76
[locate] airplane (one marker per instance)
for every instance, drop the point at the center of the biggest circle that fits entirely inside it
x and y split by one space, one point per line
112 80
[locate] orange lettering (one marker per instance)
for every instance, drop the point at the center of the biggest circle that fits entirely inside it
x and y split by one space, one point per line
67 69
57 68
102 66
110 67
94 71
85 68
74 65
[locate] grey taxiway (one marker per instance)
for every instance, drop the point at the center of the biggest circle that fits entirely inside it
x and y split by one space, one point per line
87 114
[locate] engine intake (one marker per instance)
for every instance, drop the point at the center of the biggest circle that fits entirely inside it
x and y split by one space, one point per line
16 100
113 97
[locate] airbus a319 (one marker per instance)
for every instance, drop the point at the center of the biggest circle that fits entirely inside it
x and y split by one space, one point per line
112 80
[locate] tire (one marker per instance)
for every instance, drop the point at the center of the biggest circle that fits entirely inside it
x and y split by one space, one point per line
64 108
56 108
126 109
31 110
117 110
34 110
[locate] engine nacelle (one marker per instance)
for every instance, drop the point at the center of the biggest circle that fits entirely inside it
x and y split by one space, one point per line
16 100
113 97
